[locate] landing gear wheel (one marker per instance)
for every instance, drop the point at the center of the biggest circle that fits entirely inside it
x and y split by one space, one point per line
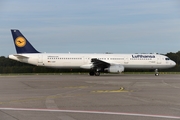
91 73
97 73
156 74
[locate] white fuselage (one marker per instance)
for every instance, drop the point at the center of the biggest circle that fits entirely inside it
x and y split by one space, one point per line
131 61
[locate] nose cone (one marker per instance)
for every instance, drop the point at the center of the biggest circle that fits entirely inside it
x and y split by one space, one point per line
173 63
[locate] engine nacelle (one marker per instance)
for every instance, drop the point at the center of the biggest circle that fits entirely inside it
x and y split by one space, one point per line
87 66
115 69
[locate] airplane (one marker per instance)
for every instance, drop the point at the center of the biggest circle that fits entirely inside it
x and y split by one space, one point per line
95 63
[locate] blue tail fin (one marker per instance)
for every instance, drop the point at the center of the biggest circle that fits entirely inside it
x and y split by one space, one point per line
21 43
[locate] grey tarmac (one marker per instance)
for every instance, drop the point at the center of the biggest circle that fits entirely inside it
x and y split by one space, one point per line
83 97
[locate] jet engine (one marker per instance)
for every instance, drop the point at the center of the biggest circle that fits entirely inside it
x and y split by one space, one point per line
115 69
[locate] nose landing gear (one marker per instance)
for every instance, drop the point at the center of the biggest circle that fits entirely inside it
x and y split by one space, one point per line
156 72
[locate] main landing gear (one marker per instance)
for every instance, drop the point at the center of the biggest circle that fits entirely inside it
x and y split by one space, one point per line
156 72
96 73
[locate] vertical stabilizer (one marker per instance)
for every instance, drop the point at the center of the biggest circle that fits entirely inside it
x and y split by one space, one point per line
22 45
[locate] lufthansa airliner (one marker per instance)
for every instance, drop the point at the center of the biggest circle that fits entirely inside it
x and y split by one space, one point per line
95 63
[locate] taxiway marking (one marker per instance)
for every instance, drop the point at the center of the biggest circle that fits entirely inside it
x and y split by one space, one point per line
77 87
93 112
111 91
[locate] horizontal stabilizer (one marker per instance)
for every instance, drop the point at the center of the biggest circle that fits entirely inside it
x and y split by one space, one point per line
21 56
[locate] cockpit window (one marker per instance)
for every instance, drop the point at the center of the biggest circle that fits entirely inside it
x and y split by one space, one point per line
167 58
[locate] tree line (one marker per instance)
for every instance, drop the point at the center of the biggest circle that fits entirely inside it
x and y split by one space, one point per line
11 66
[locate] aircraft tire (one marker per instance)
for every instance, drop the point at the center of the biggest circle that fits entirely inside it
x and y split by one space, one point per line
156 74
97 73
91 73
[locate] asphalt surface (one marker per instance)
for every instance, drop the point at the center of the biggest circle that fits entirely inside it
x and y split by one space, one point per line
83 97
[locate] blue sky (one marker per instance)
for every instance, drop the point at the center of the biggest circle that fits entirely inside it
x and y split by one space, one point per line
92 26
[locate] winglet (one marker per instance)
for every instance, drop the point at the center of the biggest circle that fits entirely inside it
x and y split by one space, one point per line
22 45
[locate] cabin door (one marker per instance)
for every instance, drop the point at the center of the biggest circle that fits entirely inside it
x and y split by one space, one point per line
40 59
159 60
126 60
86 59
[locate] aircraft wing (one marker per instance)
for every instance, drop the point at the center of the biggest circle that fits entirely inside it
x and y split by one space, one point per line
99 63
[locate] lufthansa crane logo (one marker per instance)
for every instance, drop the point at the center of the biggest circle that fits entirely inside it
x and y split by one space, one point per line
20 41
